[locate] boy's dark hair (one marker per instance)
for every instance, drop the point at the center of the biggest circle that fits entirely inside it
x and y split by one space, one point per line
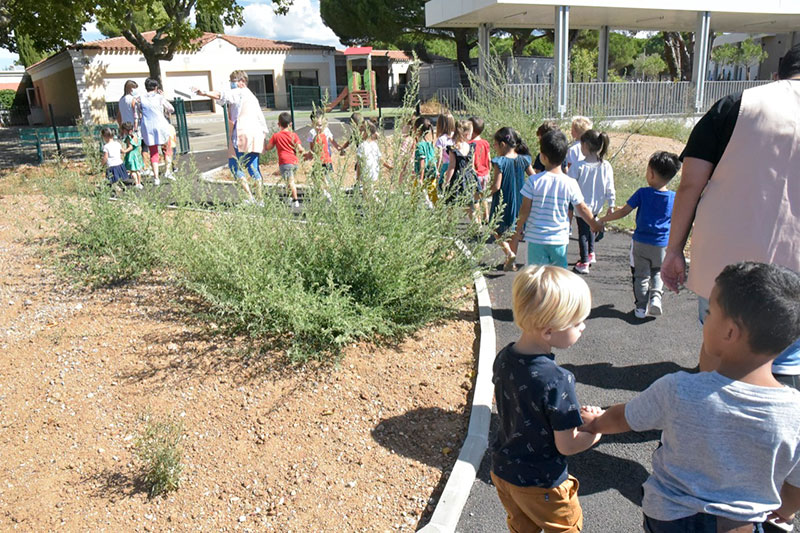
151 84
554 145
665 164
477 125
106 132
510 137
284 119
357 118
423 125
765 301
547 125
790 64
370 127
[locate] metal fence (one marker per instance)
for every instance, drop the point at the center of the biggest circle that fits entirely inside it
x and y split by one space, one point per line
14 116
612 100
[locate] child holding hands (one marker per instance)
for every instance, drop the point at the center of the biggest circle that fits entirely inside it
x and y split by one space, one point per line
132 152
287 143
730 455
539 412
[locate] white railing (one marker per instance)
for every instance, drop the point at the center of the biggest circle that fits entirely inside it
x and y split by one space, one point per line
718 89
611 100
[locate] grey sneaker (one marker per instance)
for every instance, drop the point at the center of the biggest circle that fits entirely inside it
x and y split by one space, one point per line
655 306
640 313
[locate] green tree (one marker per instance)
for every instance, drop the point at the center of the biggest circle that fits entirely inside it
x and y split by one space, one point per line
50 24
750 54
28 53
583 64
649 66
622 50
725 54
208 23
357 22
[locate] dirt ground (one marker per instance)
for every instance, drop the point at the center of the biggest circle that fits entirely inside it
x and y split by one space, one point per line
266 446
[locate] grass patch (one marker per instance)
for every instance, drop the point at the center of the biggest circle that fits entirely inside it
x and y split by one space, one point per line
158 451
671 128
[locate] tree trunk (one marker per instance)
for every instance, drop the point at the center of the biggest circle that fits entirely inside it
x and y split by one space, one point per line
672 57
687 56
465 40
520 39
153 65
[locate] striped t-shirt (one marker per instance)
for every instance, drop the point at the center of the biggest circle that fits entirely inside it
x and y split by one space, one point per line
550 195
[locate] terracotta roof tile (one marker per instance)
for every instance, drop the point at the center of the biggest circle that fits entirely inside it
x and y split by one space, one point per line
395 55
243 44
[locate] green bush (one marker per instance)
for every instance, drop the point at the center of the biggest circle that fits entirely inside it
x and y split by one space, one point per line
7 98
159 453
671 128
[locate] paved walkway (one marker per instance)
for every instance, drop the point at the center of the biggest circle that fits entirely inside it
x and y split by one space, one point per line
617 357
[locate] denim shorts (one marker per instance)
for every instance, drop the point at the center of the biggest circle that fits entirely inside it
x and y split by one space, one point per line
696 523
287 172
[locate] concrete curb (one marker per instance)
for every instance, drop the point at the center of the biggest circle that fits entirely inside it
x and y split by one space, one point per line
448 510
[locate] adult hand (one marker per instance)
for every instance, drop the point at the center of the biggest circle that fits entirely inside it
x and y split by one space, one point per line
673 270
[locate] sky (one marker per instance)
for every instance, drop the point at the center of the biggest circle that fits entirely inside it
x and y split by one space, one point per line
302 24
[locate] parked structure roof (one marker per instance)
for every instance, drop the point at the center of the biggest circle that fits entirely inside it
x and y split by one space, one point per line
242 43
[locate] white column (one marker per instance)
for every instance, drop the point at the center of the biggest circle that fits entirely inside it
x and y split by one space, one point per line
561 58
332 73
602 55
702 41
483 49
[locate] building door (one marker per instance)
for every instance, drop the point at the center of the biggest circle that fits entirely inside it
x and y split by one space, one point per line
263 87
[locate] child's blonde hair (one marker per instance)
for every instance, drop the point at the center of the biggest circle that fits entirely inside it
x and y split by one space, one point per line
549 297
445 124
581 124
462 131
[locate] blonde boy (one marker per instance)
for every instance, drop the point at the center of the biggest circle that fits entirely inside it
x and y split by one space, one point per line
580 125
537 405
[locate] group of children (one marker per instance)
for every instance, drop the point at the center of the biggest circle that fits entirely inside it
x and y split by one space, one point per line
123 158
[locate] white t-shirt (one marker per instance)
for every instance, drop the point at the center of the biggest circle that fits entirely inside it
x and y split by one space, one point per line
550 195
726 446
127 111
369 159
114 150
313 133
574 154
596 181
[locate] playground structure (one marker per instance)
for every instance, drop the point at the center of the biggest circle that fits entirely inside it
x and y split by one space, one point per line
360 91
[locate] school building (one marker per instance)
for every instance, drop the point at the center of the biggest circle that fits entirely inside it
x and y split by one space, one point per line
85 80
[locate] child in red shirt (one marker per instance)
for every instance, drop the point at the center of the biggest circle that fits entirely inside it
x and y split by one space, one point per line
482 168
288 145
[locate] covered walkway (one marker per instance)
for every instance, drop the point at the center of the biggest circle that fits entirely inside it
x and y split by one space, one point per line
703 17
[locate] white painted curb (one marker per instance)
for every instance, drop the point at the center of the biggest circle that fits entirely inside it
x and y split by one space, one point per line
207 175
448 510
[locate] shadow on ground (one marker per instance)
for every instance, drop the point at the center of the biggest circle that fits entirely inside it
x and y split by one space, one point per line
634 378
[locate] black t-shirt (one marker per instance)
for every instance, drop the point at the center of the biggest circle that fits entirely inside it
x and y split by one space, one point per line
713 131
535 397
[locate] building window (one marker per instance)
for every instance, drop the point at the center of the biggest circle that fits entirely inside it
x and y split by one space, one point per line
301 78
262 86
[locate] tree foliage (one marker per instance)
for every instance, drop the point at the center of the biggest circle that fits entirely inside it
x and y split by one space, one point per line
28 53
208 23
583 64
746 54
649 66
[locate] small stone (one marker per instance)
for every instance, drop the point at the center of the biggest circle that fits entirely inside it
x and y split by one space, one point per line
242 518
78 307
351 484
100 450
90 395
172 347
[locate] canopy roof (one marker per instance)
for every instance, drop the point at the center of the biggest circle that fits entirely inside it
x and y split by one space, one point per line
749 16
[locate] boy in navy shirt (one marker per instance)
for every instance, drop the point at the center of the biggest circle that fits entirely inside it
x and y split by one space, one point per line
537 405
653 217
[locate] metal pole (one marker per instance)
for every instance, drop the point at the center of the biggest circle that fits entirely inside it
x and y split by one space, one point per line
227 127
55 129
562 58
701 46
602 56
483 50
291 105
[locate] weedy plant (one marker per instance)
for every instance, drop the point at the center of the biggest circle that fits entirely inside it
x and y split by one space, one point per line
158 451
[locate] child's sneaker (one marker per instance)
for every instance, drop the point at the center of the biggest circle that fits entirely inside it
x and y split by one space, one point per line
510 264
139 186
296 204
640 312
778 526
592 258
581 268
156 181
655 306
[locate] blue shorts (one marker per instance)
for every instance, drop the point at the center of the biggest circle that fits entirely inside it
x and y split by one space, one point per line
547 254
786 364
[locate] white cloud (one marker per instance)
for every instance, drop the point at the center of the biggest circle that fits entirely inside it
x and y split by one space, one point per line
302 24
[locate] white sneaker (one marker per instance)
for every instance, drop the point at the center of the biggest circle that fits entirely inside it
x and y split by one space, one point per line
170 176
640 313
581 268
139 186
296 204
156 181
783 526
592 258
655 306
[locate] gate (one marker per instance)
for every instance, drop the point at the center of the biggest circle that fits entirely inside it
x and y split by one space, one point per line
181 129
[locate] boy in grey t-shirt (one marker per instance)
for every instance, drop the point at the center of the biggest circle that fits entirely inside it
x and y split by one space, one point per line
730 453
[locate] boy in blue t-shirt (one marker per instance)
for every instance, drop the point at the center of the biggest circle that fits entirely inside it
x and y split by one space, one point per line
653 217
536 402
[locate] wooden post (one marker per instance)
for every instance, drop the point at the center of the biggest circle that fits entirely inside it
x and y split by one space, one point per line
55 129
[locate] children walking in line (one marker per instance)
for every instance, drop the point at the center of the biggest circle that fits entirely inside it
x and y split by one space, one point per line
369 156
425 159
445 128
510 169
287 144
460 178
596 180
580 125
321 144
132 151
539 411
112 157
482 168
729 456
545 199
546 126
653 216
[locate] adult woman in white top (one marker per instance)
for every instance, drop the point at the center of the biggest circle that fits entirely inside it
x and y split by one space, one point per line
155 128
249 129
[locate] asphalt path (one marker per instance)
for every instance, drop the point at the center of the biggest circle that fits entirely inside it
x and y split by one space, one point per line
617 357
